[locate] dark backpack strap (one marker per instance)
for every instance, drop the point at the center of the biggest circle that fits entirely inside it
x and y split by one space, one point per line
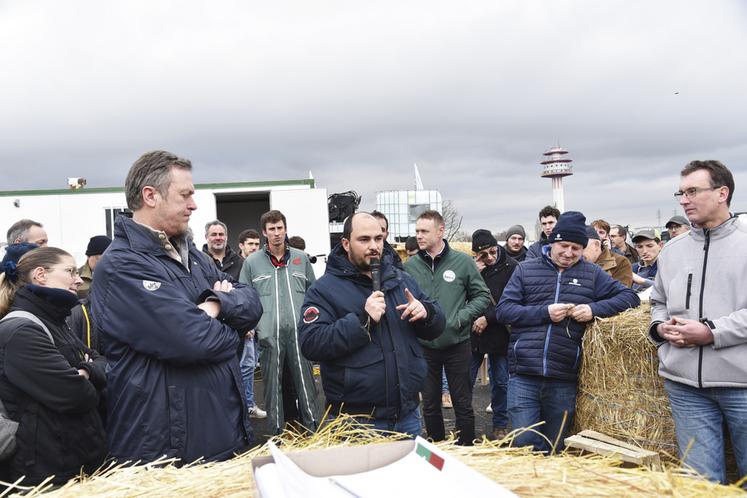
29 316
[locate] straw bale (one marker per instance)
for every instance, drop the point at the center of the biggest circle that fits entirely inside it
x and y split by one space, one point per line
518 469
620 391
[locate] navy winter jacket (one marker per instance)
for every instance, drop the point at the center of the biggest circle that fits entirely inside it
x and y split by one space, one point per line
537 345
174 385
380 369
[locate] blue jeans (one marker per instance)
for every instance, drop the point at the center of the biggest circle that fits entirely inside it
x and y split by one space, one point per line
444 382
699 416
535 399
408 424
248 362
498 371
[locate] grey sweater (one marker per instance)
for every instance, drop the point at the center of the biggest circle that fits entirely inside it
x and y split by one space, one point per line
702 276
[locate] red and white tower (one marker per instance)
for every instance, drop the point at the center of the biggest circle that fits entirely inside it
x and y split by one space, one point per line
556 166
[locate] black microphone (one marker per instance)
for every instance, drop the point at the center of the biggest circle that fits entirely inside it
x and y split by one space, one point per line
376 273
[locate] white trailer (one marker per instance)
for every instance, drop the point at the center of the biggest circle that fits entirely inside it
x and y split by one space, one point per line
71 217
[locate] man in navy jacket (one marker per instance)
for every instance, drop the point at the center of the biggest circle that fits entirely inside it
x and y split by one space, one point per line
548 302
169 323
366 340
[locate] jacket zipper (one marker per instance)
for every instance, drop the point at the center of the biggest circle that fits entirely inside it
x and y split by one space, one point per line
689 290
278 394
549 328
707 245
295 340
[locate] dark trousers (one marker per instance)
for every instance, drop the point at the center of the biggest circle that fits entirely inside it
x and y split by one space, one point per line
455 360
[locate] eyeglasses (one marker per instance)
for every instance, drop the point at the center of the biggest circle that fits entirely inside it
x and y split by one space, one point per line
493 251
73 271
693 191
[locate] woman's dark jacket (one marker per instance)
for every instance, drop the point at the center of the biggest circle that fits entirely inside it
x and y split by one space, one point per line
59 430
494 339
371 368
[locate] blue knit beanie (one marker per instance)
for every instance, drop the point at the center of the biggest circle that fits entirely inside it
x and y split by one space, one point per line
571 227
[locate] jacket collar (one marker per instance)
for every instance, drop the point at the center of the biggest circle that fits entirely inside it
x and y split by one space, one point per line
433 262
230 254
85 271
142 238
278 262
339 265
606 260
723 230
52 305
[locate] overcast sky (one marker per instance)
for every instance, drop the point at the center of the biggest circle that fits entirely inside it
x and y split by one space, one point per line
356 92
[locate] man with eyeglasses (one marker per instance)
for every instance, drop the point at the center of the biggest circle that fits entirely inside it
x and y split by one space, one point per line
677 225
699 322
489 336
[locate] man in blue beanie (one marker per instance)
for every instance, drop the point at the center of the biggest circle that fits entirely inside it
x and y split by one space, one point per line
548 302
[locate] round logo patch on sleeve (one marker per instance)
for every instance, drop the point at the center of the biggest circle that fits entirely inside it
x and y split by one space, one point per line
311 314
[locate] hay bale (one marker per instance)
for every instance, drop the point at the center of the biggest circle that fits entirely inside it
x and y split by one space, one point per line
518 469
620 391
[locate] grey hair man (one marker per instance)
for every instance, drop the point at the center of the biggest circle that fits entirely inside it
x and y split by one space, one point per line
227 261
699 322
27 231
170 325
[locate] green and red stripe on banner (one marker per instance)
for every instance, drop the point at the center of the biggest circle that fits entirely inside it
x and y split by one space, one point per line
430 457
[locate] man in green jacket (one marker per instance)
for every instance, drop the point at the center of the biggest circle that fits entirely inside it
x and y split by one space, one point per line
451 278
281 275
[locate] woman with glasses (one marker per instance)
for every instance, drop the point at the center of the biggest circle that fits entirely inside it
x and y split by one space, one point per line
49 381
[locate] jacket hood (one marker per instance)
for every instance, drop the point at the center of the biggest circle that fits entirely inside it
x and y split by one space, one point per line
339 265
140 237
499 262
714 233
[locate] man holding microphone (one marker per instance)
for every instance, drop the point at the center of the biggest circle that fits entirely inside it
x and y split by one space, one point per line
361 321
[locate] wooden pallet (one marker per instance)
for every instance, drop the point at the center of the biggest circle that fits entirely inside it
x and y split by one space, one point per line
601 444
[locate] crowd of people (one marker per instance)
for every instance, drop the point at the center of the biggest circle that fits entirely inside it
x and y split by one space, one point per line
149 350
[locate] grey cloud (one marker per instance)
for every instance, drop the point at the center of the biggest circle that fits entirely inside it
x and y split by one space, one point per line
358 92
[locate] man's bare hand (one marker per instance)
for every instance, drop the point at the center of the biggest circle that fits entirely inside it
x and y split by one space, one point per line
479 325
212 308
412 308
480 264
581 313
223 286
84 373
375 306
558 311
249 335
685 333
